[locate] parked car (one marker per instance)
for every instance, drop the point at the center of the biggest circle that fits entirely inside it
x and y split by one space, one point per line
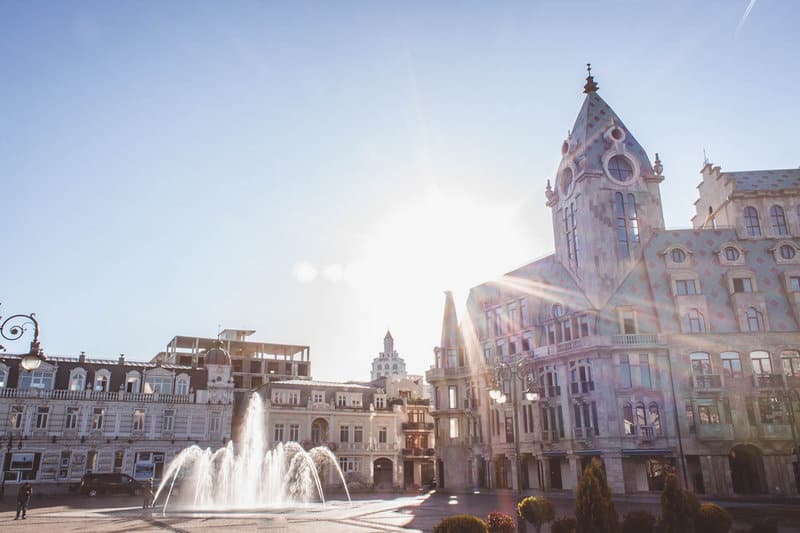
94 484
428 485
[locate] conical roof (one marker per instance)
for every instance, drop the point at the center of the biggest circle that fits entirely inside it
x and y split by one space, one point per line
451 333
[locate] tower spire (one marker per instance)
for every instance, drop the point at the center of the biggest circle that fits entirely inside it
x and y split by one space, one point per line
451 335
591 86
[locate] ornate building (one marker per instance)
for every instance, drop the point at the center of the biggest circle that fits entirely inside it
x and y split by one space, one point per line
652 349
388 362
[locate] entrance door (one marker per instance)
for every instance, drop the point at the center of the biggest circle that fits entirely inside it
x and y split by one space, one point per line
440 473
747 469
408 473
382 476
555 472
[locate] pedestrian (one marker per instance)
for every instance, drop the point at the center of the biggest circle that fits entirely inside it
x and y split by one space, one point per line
23 499
148 494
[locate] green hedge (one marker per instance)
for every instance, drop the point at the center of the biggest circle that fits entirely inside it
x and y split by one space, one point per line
461 523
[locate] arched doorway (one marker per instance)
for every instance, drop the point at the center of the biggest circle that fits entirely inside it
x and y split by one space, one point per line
383 473
319 432
501 471
747 469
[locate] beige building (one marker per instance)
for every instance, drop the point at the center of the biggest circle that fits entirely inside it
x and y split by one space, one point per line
655 350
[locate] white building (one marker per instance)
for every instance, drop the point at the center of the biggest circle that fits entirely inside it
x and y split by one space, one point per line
388 362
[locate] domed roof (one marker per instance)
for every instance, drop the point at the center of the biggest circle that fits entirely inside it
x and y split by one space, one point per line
218 356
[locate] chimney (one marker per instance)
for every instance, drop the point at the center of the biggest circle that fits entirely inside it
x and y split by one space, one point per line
82 358
122 359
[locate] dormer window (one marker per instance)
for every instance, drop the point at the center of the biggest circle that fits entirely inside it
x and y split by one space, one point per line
677 255
77 379
566 181
787 251
558 310
742 285
102 380
182 384
627 222
731 253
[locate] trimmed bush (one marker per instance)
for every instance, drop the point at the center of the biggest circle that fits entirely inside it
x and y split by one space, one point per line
639 522
536 510
498 522
712 518
461 523
678 508
594 509
766 525
564 524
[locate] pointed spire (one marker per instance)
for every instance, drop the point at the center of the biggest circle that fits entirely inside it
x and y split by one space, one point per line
657 166
451 334
591 86
388 334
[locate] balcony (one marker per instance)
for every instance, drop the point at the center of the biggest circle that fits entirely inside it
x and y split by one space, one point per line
646 433
418 452
417 426
583 434
552 391
550 435
97 396
707 382
581 387
768 381
714 431
436 374
775 431
643 339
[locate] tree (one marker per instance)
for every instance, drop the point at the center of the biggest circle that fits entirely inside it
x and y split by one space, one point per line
594 509
678 507
537 510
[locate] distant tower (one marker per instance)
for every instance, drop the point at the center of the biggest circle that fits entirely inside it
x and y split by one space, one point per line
388 363
220 383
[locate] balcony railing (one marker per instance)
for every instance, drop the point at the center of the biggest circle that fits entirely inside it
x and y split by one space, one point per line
768 381
634 340
714 431
646 433
707 381
550 435
581 387
583 433
775 431
418 452
551 391
644 339
97 396
422 426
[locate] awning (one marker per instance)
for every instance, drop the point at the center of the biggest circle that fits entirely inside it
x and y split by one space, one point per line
651 451
588 452
554 453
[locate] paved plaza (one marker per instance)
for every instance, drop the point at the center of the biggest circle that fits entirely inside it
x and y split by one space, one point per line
367 513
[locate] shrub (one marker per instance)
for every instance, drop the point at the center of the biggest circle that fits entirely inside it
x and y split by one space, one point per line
766 525
712 518
594 509
498 522
564 524
639 522
678 508
461 523
537 510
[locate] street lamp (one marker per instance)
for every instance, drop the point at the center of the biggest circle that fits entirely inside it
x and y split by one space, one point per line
13 328
514 370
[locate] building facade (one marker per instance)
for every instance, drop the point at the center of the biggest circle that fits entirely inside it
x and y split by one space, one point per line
655 350
388 362
74 415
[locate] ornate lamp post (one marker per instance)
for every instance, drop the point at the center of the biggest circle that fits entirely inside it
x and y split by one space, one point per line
13 328
514 371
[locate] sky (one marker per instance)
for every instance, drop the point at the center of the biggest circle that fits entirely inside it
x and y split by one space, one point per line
321 172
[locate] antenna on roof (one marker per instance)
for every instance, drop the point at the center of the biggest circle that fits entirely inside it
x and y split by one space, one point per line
705 157
219 330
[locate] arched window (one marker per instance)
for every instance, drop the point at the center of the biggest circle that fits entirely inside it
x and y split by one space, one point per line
620 168
581 376
182 384
627 419
77 379
548 378
655 418
755 320
571 231
132 382
627 222
761 362
778 220
695 321
790 360
641 415
102 380
751 222
700 363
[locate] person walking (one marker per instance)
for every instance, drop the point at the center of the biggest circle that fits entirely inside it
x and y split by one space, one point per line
148 494
23 499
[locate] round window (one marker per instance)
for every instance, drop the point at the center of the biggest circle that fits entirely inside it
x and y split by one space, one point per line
557 310
731 253
566 181
564 148
620 168
617 134
787 251
677 255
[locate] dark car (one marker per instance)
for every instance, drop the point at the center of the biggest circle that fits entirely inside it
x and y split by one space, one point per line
94 484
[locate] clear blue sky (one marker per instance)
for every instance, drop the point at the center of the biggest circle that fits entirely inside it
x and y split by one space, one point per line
167 167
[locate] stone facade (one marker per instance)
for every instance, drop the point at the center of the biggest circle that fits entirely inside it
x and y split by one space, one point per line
655 350
388 362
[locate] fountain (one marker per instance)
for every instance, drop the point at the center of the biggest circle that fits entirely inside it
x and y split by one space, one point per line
251 477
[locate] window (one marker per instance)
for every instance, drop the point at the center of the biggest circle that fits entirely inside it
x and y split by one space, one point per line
751 224
452 358
380 402
3 377
773 410
452 397
182 385
169 419
581 376
655 418
625 371
294 398
344 433
98 413
685 286
277 433
509 425
558 310
755 320
627 222
742 285
778 220
17 416
791 363
318 397
132 382
628 323
348 464
731 364
42 414
731 253
570 233
71 421
644 370
677 255
156 384
358 433
138 420
382 434
695 321
341 400
453 428
586 419
629 428
294 432
708 414
215 424
690 419
38 379
794 283
101 380
119 455
787 251
620 168
77 379
700 363
761 362
499 322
